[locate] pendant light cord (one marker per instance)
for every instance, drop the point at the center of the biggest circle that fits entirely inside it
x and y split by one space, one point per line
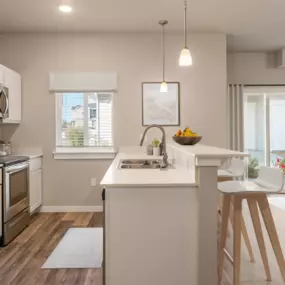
163 23
185 24
163 54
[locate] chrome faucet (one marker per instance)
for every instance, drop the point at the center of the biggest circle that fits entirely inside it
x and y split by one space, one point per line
163 142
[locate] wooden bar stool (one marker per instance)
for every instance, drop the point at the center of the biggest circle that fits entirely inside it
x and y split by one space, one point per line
235 171
270 180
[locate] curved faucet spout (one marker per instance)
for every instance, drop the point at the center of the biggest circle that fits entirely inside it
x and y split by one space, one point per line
163 141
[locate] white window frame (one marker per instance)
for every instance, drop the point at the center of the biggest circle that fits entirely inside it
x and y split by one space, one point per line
78 152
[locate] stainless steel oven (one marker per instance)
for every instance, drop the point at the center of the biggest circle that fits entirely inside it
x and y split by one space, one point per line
15 199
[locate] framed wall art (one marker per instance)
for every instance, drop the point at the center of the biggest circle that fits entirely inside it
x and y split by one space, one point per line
162 108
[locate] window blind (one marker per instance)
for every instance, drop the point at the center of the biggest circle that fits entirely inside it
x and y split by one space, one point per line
82 82
84 120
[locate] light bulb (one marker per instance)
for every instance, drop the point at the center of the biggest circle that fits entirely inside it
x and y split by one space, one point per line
163 87
185 58
65 8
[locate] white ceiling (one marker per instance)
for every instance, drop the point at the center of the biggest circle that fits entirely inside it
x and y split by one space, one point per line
250 24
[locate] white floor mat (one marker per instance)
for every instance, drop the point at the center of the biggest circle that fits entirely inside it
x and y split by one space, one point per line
79 248
277 201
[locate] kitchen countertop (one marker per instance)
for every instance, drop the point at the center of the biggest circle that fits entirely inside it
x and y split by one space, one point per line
145 177
172 176
205 151
12 159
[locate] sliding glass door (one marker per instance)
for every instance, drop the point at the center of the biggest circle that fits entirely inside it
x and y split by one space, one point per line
264 125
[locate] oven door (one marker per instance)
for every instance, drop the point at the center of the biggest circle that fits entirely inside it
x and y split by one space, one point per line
16 189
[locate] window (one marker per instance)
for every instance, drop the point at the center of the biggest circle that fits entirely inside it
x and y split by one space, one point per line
264 117
84 122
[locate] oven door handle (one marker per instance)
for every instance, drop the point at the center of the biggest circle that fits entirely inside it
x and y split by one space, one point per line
17 168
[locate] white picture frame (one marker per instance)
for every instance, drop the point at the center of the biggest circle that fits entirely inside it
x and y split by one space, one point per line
161 108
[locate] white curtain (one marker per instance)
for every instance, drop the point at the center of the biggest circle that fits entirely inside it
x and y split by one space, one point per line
235 116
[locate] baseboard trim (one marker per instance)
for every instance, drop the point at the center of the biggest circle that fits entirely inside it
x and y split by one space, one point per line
68 209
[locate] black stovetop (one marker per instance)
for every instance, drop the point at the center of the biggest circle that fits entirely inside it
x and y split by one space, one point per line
12 159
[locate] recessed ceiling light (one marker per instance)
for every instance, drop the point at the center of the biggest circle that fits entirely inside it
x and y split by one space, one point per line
65 8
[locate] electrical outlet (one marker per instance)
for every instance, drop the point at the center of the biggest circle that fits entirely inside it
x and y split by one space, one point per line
93 181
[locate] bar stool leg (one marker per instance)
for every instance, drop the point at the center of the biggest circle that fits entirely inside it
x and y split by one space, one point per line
246 239
252 205
244 234
224 230
219 209
271 229
237 237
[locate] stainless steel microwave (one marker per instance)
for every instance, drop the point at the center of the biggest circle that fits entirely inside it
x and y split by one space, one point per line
4 102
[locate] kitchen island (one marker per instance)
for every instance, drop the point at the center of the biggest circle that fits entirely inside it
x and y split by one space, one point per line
160 224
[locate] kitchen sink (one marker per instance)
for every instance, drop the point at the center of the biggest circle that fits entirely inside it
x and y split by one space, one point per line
140 161
139 164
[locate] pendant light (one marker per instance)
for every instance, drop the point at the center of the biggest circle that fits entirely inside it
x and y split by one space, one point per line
163 85
185 55
65 6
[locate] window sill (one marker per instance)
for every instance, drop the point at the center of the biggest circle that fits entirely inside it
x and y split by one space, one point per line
84 153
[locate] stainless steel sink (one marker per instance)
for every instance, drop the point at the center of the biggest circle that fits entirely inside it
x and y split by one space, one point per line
140 161
139 164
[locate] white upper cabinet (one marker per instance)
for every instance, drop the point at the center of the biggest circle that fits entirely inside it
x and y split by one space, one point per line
12 80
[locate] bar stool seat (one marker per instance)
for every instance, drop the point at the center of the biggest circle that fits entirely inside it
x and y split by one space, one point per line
270 180
232 187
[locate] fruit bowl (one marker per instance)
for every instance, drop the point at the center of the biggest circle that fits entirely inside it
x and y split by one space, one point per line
187 140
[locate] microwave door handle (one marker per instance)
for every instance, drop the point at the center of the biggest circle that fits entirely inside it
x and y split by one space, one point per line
7 104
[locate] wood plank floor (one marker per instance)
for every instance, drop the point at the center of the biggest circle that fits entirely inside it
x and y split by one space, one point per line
21 260
253 273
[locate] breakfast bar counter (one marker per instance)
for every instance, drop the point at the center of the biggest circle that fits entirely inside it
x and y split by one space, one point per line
160 224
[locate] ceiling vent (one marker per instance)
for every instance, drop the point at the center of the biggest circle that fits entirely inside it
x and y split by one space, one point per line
280 58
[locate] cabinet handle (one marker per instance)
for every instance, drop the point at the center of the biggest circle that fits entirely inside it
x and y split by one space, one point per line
103 194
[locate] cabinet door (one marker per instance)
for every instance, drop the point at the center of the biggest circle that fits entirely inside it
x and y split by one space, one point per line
1 210
35 189
12 80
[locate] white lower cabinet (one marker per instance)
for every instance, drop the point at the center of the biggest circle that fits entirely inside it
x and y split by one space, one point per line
36 188
1 195
1 188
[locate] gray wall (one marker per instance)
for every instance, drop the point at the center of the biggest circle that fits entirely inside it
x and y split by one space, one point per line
254 68
136 58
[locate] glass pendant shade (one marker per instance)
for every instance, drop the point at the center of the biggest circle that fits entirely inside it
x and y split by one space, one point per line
163 87
185 58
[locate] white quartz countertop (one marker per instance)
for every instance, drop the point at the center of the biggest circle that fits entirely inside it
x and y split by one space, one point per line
169 177
205 151
172 176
